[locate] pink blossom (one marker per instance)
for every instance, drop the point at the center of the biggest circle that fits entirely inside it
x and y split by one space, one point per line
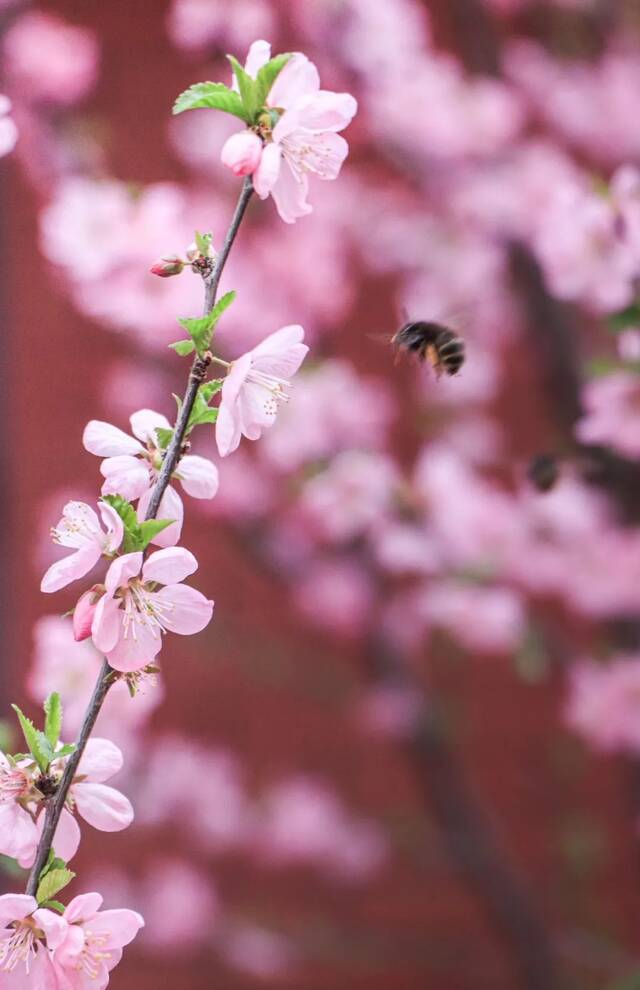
80 530
71 668
483 619
335 594
612 413
198 24
255 385
241 153
8 130
28 934
83 613
181 908
132 464
304 141
603 704
93 942
259 953
132 615
18 833
71 58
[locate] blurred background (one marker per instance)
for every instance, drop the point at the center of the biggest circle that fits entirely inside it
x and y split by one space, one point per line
405 751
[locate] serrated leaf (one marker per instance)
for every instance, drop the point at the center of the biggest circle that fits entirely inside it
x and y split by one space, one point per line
215 96
183 347
52 882
202 411
200 330
124 509
208 389
151 528
268 74
53 718
66 750
248 89
39 746
164 436
223 303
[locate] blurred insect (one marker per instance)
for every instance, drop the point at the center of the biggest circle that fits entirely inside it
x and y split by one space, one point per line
543 472
432 342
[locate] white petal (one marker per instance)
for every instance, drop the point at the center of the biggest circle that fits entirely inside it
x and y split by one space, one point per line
169 566
199 476
106 440
144 424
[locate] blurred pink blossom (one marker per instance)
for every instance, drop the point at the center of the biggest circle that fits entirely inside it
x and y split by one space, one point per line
612 413
8 129
181 908
197 24
72 56
482 619
336 595
603 704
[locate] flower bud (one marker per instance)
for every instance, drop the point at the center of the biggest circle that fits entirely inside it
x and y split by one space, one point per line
167 267
241 153
83 612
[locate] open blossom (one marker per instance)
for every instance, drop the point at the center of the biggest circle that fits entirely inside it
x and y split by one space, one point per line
132 464
92 942
22 792
304 141
132 614
255 385
28 934
80 530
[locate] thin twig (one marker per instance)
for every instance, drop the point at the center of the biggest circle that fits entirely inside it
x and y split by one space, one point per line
107 675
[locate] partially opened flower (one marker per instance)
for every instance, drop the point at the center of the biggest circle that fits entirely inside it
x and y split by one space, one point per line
301 136
256 384
18 832
28 934
80 530
93 942
134 612
132 464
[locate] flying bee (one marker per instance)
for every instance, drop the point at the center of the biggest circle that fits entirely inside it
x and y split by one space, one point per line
432 342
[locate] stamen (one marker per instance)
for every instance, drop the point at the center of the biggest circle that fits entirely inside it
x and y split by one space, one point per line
18 948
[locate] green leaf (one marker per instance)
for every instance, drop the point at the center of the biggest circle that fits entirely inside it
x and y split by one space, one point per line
221 305
66 750
202 412
151 528
625 318
164 437
53 718
183 347
208 389
200 329
215 96
39 746
203 242
52 882
268 74
248 89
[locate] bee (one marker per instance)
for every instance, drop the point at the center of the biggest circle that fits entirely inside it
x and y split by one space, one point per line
432 342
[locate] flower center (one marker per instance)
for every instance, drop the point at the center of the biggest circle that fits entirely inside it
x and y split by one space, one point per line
75 530
14 784
276 389
19 947
93 955
141 610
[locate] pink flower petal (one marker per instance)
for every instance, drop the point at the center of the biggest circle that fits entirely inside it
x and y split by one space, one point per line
100 760
15 907
83 907
125 475
199 476
185 610
268 170
67 835
71 568
326 111
119 927
106 440
103 807
54 927
139 647
290 195
169 566
122 570
106 624
298 79
113 525
144 424
18 833
259 55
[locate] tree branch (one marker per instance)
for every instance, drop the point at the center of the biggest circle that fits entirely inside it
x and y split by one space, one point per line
107 675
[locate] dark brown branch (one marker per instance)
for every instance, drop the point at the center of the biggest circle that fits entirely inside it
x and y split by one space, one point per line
107 675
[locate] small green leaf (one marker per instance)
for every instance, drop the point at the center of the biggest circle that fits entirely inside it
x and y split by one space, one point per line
215 96
200 330
222 304
203 242
164 437
208 389
625 318
202 411
183 347
52 882
151 528
53 718
248 89
268 74
39 746
130 520
66 750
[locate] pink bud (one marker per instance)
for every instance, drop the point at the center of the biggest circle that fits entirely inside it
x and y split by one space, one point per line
83 612
241 153
167 267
